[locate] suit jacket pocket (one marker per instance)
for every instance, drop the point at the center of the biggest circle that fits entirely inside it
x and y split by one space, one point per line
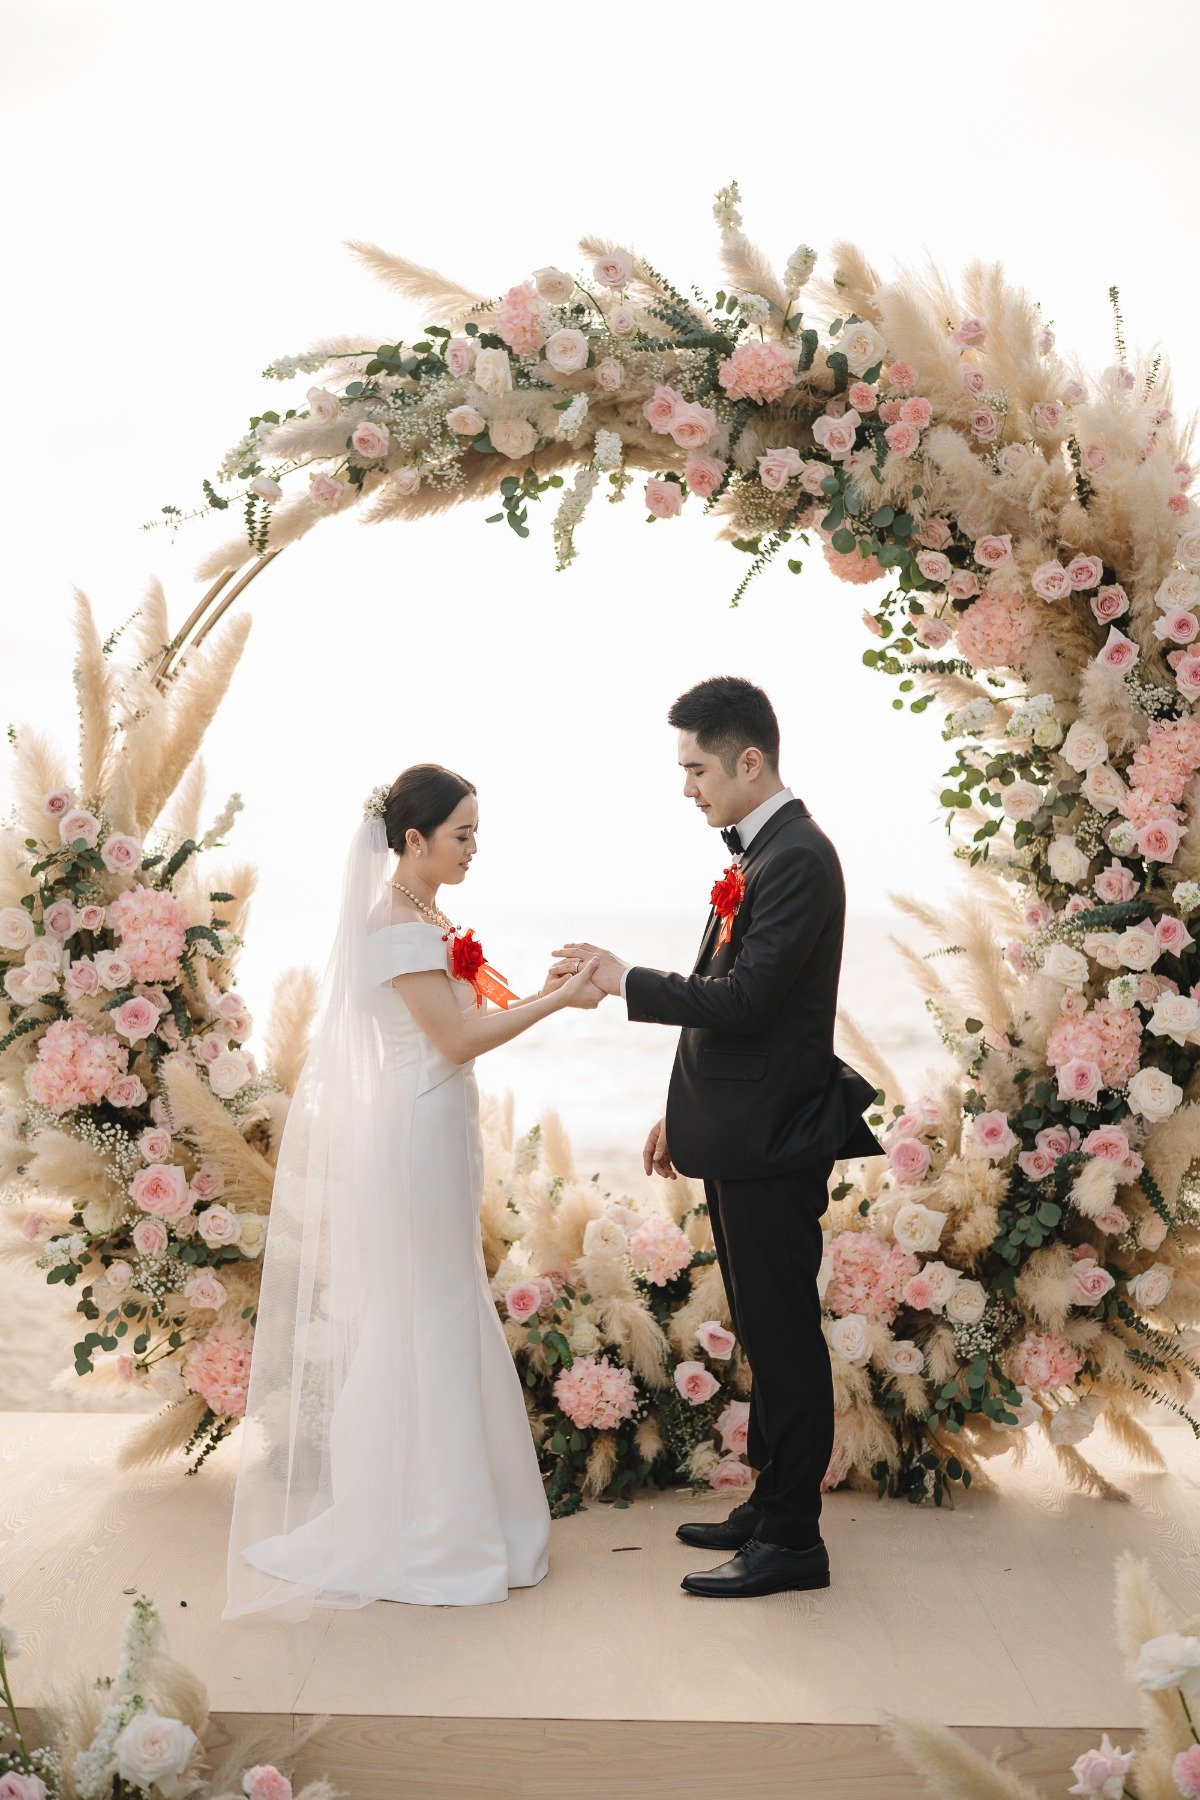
733 1065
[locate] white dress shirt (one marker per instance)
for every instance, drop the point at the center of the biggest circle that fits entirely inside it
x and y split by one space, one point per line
746 828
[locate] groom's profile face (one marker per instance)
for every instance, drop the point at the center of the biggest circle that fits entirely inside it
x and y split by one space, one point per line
722 796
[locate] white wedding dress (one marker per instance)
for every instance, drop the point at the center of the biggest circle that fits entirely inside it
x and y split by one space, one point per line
415 1478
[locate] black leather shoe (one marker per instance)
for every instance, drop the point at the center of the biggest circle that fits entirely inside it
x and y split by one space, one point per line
722 1534
760 1568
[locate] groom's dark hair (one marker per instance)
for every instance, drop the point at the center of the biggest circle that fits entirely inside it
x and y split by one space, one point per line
728 715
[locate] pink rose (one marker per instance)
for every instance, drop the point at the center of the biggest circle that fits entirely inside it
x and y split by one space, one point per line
661 407
778 467
1092 458
934 534
460 354
120 852
155 1144
1108 1141
693 425
613 271
733 1425
1079 1079
972 379
205 1292
523 1299
1109 602
963 584
208 1181
1112 1220
217 1226
993 1133
704 475
567 350
1158 839
714 1339
57 802
1090 1283
209 1047
934 565
909 1158
127 1090
622 321
91 917
1047 415
325 490
695 1382
1085 571
1185 1772
1050 580
1179 626
984 424
78 824
1013 457
729 1473
969 333
322 405
1172 935
161 1189
370 439
149 1237
933 632
1114 884
1036 1164
609 374
136 1019
1118 651
60 918
1187 672
902 438
663 498
83 976
836 435
994 550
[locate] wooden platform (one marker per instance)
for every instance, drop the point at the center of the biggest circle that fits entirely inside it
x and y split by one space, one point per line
607 1678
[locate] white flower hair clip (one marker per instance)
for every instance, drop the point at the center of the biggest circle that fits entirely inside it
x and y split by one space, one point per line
375 802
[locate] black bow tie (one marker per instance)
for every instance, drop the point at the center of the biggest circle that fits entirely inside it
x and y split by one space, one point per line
732 840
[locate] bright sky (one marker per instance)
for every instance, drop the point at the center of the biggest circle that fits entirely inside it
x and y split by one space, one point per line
180 188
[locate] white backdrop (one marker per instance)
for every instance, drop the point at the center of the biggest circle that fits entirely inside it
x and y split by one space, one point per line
180 183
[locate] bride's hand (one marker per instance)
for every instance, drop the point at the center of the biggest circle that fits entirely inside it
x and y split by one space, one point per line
576 987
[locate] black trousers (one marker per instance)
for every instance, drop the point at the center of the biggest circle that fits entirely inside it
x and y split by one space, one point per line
768 1242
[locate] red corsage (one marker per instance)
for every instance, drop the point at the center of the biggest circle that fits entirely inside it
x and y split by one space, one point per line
727 895
467 963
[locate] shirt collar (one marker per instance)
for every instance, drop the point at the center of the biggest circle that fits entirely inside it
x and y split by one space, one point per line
753 822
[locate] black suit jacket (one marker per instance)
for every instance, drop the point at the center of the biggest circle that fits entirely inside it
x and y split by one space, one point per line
756 1089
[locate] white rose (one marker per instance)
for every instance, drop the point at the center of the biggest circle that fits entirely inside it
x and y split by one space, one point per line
1066 859
513 437
584 1337
566 350
1028 1411
902 1357
1047 733
1084 747
1103 947
1071 1424
493 372
1103 787
1175 1016
1188 549
917 1228
862 346
1020 799
113 969
1064 963
1152 1286
943 1280
1169 1661
1137 947
848 1338
322 405
1153 1094
1178 592
554 285
967 1302
228 1073
153 1752
1151 1231
604 1234
218 1225
16 928
252 1234
466 421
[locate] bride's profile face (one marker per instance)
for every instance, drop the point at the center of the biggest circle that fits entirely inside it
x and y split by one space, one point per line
447 852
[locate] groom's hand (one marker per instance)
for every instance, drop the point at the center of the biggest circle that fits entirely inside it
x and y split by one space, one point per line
609 970
656 1158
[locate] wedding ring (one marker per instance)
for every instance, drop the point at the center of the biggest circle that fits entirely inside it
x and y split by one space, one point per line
578 965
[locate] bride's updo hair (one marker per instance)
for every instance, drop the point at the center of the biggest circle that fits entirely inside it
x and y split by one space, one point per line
421 799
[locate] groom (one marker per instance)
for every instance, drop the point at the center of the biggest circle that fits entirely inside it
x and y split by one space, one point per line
760 1108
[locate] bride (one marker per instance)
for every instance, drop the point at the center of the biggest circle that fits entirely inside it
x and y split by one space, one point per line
386 1453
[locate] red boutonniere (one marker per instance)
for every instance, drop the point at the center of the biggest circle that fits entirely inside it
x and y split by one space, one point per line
467 963
727 895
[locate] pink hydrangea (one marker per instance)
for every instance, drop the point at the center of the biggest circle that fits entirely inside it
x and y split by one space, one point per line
521 320
757 371
1162 767
848 565
1042 1360
660 1250
74 1067
595 1393
1107 1035
867 1275
151 927
997 632
217 1367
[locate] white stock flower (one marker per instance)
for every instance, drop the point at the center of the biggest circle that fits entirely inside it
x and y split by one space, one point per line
754 307
799 267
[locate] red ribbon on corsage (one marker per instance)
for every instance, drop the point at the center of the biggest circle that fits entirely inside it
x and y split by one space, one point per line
467 963
727 895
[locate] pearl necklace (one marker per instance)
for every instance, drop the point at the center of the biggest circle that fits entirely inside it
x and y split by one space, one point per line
432 913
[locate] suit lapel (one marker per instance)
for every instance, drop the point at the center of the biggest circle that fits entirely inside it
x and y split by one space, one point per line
792 809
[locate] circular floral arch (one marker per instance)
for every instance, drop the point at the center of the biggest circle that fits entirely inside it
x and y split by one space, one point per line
1029 1250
